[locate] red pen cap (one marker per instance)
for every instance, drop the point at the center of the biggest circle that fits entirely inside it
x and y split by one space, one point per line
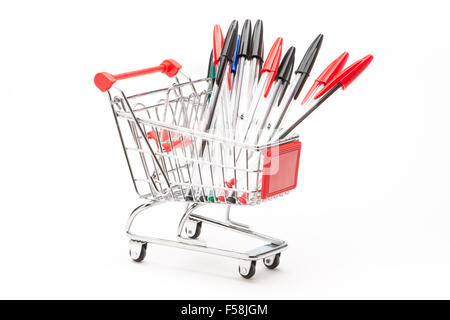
217 43
272 62
333 69
347 75
273 58
328 74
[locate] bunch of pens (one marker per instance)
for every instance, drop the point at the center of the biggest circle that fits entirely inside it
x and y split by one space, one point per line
250 96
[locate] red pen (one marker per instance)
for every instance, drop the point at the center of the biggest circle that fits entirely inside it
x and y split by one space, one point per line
326 76
268 73
217 43
342 80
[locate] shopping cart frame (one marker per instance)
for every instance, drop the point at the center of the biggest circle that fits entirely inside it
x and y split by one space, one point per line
189 226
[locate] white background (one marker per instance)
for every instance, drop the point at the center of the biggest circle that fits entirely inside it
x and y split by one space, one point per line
370 218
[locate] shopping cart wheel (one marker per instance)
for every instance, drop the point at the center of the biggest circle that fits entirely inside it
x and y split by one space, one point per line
273 261
247 269
138 250
193 229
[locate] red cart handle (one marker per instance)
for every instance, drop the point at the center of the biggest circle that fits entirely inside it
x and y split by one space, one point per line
105 80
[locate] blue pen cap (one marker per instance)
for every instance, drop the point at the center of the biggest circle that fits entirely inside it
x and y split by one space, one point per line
235 56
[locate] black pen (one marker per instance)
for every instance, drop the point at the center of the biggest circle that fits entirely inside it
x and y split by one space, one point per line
282 78
226 56
243 57
301 75
257 58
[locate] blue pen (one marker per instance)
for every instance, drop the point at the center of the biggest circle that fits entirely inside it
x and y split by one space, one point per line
234 63
240 61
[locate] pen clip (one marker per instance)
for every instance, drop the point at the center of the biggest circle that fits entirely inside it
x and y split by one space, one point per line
327 74
348 75
272 63
217 43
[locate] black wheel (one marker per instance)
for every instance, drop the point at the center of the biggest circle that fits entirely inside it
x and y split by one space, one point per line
196 234
138 251
272 262
247 274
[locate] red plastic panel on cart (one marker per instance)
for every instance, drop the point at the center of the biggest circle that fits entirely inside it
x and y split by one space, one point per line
280 169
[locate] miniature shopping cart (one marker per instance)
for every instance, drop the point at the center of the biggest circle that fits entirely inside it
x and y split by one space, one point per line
170 159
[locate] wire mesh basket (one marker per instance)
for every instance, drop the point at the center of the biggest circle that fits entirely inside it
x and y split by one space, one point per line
170 158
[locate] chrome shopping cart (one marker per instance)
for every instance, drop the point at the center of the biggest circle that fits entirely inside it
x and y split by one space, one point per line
160 136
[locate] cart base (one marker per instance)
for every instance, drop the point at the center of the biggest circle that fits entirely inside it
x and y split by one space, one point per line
189 229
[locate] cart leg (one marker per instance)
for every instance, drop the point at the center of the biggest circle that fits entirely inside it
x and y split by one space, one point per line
138 249
135 212
192 228
234 223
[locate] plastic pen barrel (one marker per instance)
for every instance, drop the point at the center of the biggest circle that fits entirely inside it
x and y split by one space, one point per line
226 56
282 78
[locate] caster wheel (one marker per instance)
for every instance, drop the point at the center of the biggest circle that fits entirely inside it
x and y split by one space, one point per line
138 250
273 261
193 229
248 269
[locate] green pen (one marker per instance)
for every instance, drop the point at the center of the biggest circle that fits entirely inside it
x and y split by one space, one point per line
211 72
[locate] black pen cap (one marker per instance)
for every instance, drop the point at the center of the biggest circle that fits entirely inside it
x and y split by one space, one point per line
307 63
286 65
245 46
257 50
227 53
310 56
285 71
229 44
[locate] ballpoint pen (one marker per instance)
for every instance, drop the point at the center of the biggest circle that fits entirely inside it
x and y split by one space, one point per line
219 123
326 76
212 69
211 65
217 43
224 60
211 72
214 59
234 63
257 56
212 75
226 96
217 50
242 60
268 73
342 80
283 75
301 75
281 82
